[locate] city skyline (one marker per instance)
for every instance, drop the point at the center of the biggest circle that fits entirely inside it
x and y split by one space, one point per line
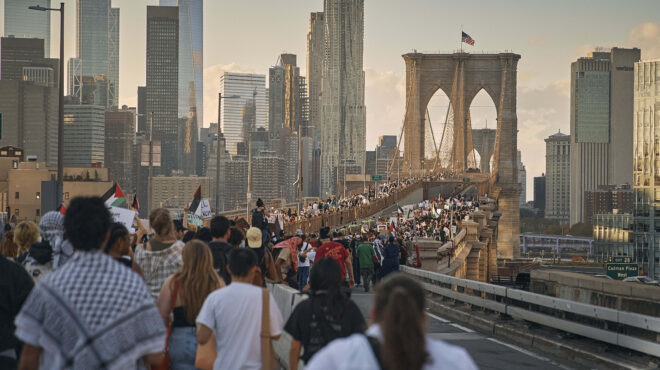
544 70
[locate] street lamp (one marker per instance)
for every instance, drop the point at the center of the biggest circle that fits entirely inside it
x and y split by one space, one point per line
60 118
219 152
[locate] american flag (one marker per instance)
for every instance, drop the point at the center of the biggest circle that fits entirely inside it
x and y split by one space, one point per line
467 39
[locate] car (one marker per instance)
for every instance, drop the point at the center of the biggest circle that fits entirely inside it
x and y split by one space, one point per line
642 279
607 277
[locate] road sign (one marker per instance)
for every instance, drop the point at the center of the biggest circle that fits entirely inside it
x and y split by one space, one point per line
376 177
466 179
620 271
620 259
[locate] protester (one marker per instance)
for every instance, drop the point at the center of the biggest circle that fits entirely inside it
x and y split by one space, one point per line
204 234
25 234
338 252
391 253
38 260
260 219
91 313
287 260
328 314
188 289
159 257
235 314
303 261
366 255
8 248
15 286
236 237
179 230
220 248
118 247
396 338
267 271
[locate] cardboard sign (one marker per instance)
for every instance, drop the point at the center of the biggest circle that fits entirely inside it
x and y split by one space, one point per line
204 209
123 216
195 220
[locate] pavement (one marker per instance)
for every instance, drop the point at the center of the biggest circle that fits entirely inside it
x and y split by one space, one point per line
487 352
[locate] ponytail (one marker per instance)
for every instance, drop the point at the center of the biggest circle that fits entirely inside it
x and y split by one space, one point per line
399 311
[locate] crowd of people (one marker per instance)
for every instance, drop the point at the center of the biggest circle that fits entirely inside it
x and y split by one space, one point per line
80 291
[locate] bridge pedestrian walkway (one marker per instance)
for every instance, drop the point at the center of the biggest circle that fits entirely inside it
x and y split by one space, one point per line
487 352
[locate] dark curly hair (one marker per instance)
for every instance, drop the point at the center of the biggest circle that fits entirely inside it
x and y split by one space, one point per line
86 223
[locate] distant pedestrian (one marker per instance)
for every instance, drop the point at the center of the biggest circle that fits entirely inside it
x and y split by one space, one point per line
159 257
188 289
328 314
92 312
338 252
118 247
220 247
286 262
366 255
396 340
26 233
303 262
391 255
235 314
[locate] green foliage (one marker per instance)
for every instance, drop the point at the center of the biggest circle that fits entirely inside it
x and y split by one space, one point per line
581 229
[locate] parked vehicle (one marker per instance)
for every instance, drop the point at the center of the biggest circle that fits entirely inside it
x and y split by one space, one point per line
607 277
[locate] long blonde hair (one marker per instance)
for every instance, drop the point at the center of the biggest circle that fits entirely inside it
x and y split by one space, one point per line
26 234
197 278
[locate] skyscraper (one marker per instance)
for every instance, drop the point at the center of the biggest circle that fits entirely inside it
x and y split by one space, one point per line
315 53
163 80
539 193
191 86
23 22
342 101
646 167
97 45
142 123
287 99
557 174
84 135
17 54
601 122
522 179
243 85
119 146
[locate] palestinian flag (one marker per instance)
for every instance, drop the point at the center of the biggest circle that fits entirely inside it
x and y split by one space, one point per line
114 197
135 205
197 198
62 209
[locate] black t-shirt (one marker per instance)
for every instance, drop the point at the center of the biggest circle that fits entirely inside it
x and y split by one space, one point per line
220 251
15 286
316 331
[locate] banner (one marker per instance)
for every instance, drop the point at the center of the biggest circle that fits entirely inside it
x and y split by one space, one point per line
204 209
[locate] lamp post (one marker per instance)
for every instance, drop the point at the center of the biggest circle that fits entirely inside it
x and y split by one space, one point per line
219 152
60 118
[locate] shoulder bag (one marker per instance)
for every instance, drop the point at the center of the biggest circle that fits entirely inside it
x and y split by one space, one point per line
268 361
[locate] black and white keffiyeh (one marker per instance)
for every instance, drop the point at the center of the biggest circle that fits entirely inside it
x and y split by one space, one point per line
92 313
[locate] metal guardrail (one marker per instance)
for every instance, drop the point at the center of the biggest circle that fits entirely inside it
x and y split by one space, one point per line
626 329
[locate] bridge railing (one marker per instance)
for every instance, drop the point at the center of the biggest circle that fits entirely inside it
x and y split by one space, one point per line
626 329
347 216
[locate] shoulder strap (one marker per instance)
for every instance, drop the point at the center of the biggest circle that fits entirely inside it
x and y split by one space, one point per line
375 348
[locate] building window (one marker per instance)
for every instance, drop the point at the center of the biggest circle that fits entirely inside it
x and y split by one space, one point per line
17 195
66 196
38 195
16 212
38 212
14 164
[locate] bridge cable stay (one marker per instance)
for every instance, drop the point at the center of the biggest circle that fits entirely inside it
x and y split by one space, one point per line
442 138
496 154
435 145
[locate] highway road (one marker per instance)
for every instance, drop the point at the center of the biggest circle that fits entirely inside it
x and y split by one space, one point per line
487 352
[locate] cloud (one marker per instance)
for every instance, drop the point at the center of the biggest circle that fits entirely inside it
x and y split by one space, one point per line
212 87
537 41
385 100
541 113
645 36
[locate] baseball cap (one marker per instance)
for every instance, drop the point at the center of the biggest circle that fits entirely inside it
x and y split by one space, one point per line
254 237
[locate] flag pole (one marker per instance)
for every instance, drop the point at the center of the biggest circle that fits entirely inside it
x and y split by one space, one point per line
461 39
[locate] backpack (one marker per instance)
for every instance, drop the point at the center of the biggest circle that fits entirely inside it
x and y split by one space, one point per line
259 219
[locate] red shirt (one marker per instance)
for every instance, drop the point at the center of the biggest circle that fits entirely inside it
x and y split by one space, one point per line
336 251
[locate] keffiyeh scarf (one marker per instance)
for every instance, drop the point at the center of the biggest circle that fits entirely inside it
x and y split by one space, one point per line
92 313
292 244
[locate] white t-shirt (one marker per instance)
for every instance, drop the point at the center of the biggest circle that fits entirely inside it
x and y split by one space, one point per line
305 247
355 352
234 314
311 255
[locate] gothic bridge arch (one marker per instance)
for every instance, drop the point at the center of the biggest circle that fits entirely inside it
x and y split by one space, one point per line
461 76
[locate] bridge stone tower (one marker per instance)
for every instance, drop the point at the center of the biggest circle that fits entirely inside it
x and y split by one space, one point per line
461 76
484 143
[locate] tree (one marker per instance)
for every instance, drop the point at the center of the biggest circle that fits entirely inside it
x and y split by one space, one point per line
581 229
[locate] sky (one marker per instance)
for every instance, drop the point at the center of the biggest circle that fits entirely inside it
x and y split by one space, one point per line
248 35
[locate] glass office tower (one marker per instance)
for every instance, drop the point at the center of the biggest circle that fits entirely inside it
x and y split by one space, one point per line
23 22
